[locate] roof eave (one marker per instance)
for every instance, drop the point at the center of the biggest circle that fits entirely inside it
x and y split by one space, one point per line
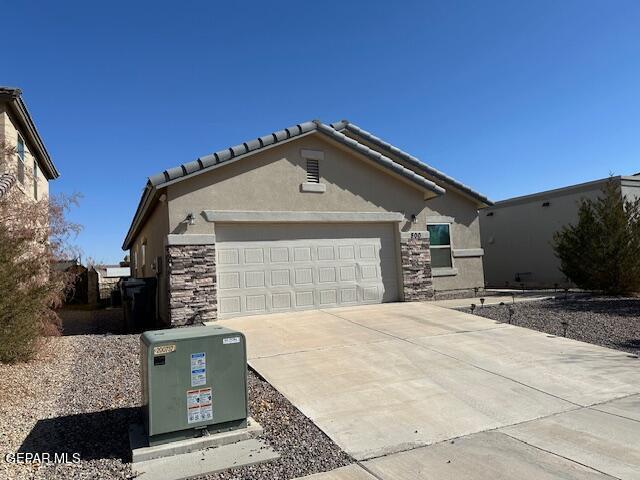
480 199
145 201
19 109
419 180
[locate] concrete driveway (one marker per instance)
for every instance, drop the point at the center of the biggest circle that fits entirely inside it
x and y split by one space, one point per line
413 390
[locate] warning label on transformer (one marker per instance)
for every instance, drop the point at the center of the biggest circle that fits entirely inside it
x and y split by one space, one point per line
198 369
199 405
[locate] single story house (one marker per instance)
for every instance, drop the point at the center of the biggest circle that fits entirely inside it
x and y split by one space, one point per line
517 233
313 216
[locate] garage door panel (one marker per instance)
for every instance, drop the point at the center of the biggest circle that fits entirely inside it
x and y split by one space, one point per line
281 301
328 297
230 305
327 274
326 253
253 256
370 294
304 276
256 303
228 280
279 254
254 279
228 256
261 270
304 299
280 278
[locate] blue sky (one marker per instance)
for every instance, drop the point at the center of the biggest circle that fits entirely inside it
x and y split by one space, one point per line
509 97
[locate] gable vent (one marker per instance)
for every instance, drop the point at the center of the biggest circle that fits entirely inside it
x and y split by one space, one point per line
313 171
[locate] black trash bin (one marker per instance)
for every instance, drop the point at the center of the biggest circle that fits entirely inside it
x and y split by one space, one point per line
116 298
139 304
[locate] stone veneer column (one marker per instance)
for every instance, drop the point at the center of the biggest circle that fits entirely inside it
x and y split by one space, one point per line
416 266
191 273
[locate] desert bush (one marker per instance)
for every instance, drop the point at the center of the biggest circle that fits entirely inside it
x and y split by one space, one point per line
601 252
33 236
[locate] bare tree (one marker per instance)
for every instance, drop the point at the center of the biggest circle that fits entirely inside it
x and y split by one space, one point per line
34 235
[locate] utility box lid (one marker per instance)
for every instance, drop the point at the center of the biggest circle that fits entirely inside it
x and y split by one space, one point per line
154 337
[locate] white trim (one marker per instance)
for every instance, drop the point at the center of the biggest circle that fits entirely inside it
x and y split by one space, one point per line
313 187
435 219
444 272
300 217
191 239
312 154
442 247
468 252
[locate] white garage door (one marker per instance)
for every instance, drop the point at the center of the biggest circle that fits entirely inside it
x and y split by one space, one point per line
264 268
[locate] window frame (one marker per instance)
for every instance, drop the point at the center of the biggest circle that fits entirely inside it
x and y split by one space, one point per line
449 246
21 154
36 169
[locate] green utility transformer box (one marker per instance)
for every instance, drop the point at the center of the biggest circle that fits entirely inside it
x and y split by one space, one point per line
193 379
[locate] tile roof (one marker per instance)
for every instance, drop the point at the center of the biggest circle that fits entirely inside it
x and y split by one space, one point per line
429 170
251 146
334 131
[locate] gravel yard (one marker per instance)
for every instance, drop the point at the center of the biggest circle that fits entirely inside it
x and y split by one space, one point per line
82 392
608 321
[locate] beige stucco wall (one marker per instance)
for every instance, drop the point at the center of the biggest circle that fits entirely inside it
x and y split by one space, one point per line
630 187
154 232
465 235
9 134
517 238
465 228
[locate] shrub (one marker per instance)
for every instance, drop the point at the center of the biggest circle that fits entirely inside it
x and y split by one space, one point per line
602 250
33 236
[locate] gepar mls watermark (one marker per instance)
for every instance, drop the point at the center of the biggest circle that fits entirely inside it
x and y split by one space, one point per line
44 457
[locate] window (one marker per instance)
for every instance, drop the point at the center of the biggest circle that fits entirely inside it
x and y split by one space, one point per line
313 171
35 179
20 152
440 241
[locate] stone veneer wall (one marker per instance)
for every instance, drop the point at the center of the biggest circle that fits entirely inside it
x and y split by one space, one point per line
191 273
416 267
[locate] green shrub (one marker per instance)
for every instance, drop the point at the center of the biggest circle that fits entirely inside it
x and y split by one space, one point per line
601 252
24 299
33 235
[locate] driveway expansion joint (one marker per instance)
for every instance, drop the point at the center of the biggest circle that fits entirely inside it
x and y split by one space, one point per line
561 456
431 349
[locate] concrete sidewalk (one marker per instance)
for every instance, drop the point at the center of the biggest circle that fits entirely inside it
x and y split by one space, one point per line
490 300
395 384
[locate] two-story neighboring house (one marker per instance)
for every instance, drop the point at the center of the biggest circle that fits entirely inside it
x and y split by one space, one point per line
24 160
